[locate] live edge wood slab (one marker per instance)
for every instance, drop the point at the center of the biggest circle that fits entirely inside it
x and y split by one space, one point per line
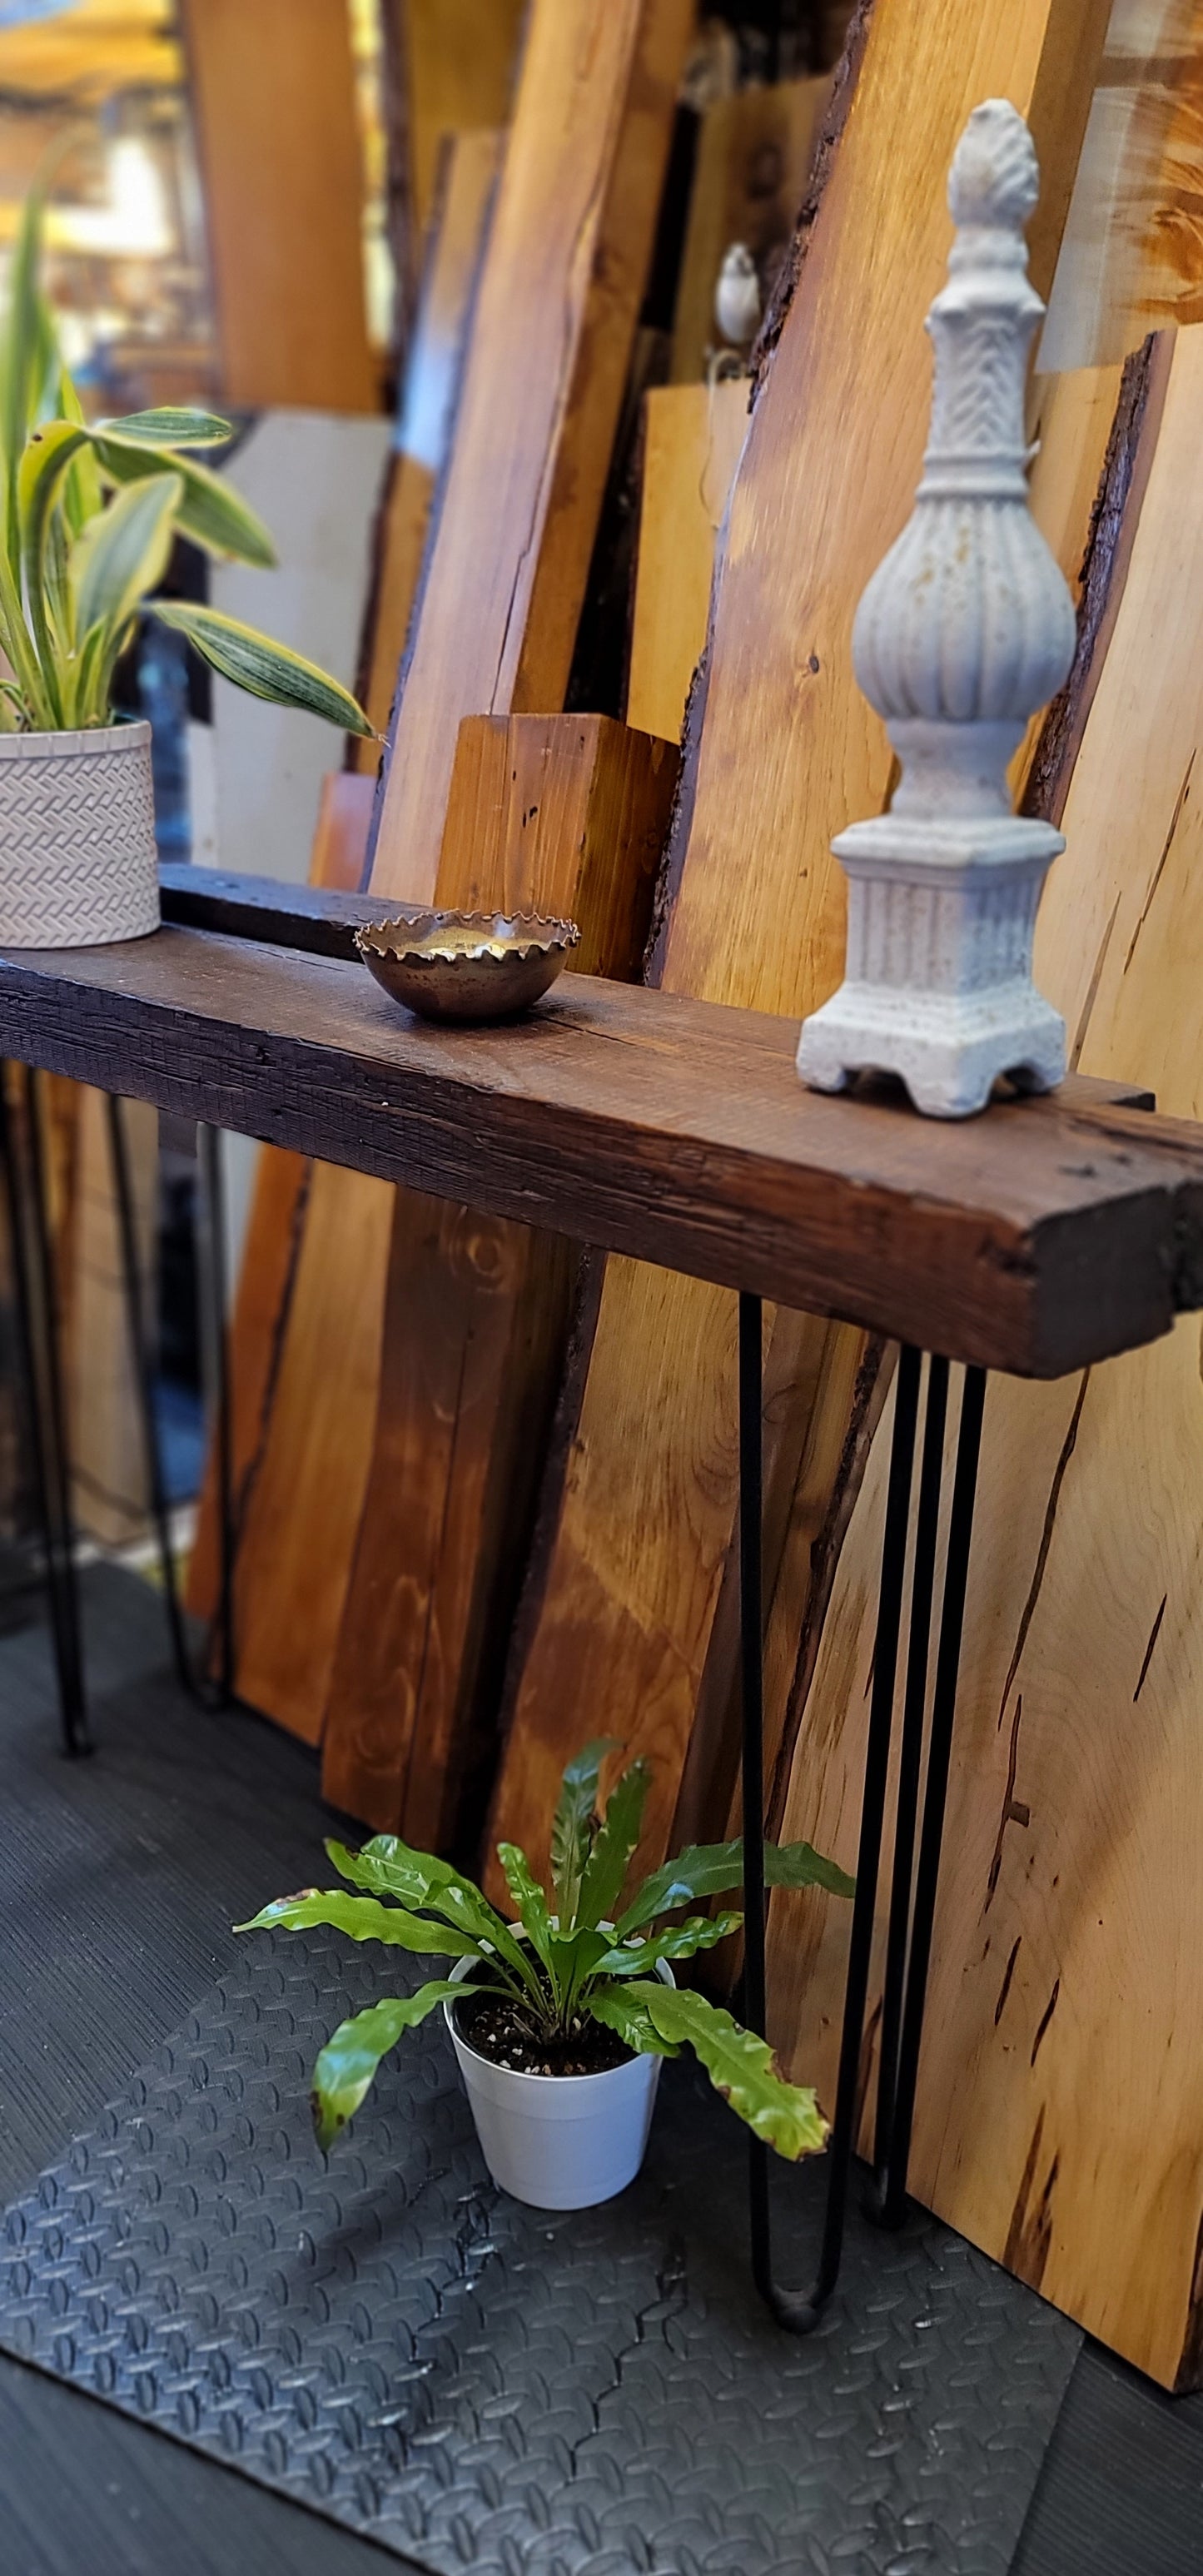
1045 1235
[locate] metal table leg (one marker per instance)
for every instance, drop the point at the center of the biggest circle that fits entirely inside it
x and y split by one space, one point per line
912 1907
143 1364
37 1326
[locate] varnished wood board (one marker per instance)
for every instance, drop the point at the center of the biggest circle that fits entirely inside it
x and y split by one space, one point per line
1048 1233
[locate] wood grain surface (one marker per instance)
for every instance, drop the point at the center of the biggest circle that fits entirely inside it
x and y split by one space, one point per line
568 252
455 243
559 814
781 751
1046 1234
1061 2100
692 440
272 96
459 60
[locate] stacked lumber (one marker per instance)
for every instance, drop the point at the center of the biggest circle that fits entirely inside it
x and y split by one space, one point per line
637 1513
1059 2108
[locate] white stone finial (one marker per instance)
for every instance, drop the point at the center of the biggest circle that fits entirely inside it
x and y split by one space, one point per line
965 629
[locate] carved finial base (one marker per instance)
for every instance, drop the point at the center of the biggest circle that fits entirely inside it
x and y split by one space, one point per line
938 987
949 1049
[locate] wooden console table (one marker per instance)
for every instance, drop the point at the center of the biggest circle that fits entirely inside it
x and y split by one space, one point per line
1047 1234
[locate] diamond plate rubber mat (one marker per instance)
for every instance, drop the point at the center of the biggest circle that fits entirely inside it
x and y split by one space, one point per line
480 2386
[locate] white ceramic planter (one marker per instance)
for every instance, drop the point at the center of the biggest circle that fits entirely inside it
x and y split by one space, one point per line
78 865
559 2141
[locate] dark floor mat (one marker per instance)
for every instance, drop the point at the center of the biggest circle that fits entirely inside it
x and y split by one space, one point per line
480 2386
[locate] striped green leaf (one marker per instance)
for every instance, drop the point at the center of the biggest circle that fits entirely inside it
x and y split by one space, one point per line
362 1918
253 662
211 512
169 428
123 553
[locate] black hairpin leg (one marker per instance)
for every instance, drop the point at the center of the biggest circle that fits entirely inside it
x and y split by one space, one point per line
37 1327
142 1358
144 1380
909 1938
213 1288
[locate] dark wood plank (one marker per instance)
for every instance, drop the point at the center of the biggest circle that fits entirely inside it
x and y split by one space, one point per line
318 919
1044 1235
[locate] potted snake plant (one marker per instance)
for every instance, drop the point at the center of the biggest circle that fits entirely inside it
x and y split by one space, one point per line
90 513
559 2018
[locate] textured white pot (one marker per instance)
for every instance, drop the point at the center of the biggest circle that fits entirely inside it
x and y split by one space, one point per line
559 2141
77 838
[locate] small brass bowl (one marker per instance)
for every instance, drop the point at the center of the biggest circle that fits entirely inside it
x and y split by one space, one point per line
467 965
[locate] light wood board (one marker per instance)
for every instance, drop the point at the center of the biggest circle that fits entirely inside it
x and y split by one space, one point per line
568 252
1132 257
782 751
469 175
692 440
1061 2097
272 92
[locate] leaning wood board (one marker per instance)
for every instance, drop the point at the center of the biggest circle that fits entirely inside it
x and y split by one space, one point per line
272 92
1061 2098
1132 261
267 1280
456 240
781 752
552 331
281 1210
552 814
691 443
457 63
570 239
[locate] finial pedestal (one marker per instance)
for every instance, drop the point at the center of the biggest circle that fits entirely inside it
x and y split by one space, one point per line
964 631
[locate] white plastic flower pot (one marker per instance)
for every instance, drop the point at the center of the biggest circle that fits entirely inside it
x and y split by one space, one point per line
78 865
559 2141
